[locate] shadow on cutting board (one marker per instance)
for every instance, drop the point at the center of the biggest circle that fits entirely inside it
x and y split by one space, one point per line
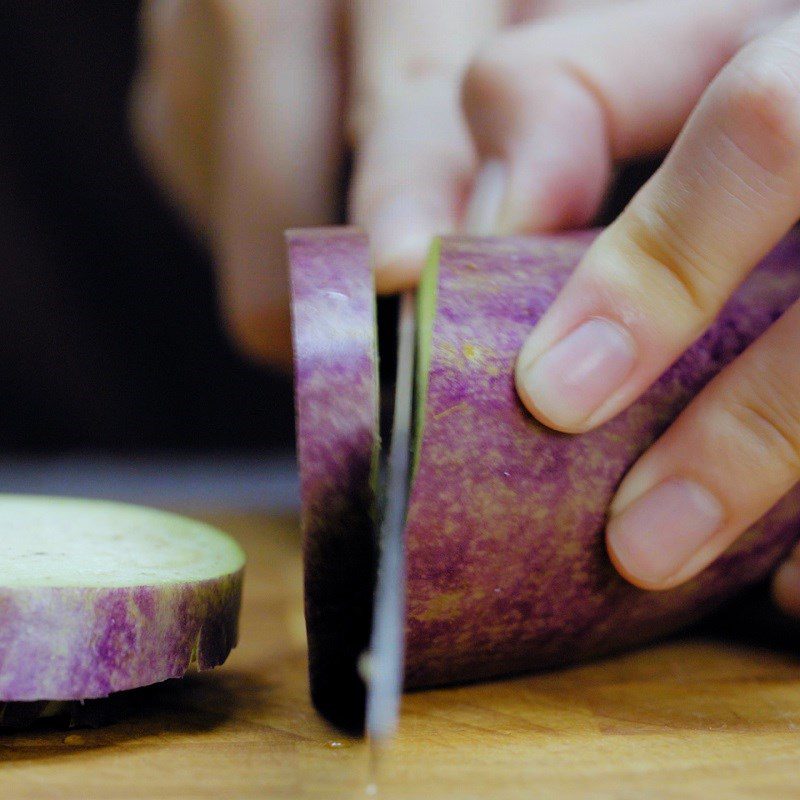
752 618
192 706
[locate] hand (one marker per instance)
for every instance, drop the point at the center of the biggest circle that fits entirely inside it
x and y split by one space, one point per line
244 109
415 160
556 106
236 105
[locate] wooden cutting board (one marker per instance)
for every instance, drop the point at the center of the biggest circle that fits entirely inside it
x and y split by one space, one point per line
692 718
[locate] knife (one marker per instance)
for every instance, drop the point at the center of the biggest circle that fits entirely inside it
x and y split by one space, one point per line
384 675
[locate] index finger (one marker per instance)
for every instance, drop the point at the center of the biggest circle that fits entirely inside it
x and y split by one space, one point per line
399 44
414 158
657 277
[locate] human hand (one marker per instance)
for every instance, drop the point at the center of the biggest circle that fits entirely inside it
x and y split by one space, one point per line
235 106
556 106
415 160
245 108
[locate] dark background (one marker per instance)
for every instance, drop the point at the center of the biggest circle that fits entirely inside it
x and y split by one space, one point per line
109 332
110 337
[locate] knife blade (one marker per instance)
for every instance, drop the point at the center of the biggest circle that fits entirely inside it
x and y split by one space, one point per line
387 643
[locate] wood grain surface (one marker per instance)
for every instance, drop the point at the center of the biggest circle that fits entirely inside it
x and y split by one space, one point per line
692 718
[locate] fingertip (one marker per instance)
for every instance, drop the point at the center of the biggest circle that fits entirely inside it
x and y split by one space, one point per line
398 257
786 587
619 560
399 272
527 386
262 335
552 417
400 232
667 534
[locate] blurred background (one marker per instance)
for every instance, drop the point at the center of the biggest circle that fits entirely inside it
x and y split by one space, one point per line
116 375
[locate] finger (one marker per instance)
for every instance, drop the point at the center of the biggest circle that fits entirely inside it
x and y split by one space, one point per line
271 151
786 584
412 173
727 459
414 157
524 10
660 273
281 148
557 102
176 98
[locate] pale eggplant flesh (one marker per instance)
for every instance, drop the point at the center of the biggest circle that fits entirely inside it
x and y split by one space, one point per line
98 598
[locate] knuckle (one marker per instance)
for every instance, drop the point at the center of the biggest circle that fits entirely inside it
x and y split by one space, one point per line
766 418
490 80
525 74
668 263
505 82
763 89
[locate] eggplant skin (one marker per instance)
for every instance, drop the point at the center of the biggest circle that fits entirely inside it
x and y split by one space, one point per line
336 391
506 564
507 568
81 643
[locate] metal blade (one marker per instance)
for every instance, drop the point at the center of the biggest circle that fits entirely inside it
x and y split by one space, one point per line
385 673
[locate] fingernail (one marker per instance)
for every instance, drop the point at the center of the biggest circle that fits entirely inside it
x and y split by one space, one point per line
572 379
401 232
483 210
657 534
786 587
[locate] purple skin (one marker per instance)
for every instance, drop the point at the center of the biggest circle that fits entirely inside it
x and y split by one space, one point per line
336 384
88 643
507 568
